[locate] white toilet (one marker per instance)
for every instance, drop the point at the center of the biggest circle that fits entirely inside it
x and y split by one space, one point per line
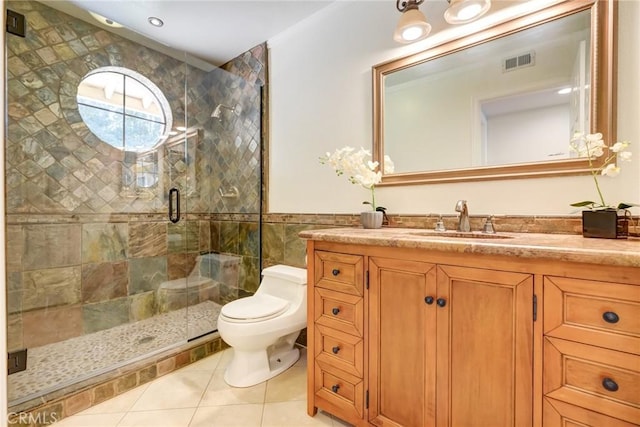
262 329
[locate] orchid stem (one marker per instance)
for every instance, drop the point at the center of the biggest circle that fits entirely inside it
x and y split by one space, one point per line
595 179
373 197
594 174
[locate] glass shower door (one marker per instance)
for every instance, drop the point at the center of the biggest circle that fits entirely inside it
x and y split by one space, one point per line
89 242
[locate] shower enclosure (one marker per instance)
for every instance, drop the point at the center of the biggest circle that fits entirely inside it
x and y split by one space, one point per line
133 211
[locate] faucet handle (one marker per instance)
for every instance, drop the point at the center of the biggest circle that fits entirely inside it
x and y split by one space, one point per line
440 224
488 226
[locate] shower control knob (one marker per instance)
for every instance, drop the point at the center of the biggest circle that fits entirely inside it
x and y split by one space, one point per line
335 350
335 271
335 388
335 311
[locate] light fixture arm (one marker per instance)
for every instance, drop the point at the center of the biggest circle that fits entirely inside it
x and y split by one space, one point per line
404 5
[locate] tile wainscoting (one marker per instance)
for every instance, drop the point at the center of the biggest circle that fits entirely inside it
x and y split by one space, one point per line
281 244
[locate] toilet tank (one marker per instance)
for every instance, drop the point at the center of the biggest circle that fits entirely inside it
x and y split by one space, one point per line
284 281
220 267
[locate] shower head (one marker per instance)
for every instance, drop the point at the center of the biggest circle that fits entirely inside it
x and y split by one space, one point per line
217 112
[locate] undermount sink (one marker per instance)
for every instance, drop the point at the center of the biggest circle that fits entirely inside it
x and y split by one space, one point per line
459 234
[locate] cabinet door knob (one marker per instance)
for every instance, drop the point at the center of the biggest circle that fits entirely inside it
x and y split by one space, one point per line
335 350
335 311
428 300
441 302
335 388
610 317
335 271
610 384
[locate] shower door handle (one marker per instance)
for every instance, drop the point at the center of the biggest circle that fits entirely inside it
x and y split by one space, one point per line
174 194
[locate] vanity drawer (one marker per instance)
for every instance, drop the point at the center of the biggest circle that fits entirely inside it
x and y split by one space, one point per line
593 377
339 272
598 313
340 390
560 414
343 312
344 351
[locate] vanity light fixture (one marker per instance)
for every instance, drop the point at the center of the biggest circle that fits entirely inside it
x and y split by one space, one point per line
463 11
413 25
156 22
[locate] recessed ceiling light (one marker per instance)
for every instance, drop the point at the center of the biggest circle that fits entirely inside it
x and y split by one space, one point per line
106 21
156 22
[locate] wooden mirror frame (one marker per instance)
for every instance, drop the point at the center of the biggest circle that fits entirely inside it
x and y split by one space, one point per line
602 105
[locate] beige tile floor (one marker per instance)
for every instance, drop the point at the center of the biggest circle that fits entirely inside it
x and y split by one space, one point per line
197 396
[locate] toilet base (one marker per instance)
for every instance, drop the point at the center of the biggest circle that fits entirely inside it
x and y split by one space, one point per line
248 368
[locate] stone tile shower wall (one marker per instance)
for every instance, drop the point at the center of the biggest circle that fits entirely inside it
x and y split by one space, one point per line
86 252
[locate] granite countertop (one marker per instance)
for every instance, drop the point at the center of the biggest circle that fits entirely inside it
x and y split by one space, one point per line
566 247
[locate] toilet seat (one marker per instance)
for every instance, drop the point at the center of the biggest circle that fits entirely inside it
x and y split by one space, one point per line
255 308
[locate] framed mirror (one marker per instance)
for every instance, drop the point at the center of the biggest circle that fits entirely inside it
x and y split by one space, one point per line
501 103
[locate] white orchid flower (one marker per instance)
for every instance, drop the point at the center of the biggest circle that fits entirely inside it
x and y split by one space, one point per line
358 167
620 146
625 156
592 146
611 170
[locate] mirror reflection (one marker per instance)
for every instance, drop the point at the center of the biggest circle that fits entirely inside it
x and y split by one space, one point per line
513 100
516 99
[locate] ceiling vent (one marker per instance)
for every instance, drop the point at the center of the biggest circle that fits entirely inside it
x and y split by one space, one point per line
520 61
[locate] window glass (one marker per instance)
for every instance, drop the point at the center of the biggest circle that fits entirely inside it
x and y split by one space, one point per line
123 108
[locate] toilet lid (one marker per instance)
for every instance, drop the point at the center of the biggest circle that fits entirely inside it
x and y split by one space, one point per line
254 308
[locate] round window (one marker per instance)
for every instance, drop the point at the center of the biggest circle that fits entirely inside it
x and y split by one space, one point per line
124 108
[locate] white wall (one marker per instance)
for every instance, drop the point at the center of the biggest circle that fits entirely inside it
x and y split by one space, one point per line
320 77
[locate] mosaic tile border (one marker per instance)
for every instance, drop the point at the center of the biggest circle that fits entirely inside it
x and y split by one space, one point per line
509 223
71 400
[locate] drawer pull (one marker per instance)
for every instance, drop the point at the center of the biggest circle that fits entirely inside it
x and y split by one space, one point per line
610 384
441 302
428 300
335 350
610 317
335 388
335 271
335 311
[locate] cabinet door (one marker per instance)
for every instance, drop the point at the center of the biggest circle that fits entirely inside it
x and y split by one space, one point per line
401 344
484 347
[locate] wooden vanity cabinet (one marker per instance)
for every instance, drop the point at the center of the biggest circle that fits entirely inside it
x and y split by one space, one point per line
336 335
591 352
442 345
421 338
449 345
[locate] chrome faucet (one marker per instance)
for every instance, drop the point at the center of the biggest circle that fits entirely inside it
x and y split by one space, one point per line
463 219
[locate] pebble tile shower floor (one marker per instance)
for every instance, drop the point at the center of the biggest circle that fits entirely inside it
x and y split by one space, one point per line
57 365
